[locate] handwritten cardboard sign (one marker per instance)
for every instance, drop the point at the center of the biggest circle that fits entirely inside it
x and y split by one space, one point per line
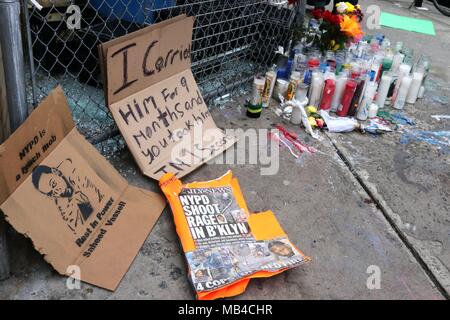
156 102
79 212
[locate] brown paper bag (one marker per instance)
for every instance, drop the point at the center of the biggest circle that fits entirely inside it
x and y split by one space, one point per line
76 208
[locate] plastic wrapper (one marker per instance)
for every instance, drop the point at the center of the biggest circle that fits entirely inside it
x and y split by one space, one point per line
224 244
339 124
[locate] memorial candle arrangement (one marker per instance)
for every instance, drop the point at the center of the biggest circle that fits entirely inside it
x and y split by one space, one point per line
356 81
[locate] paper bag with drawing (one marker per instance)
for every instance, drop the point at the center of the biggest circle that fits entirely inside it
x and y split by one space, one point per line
75 207
155 101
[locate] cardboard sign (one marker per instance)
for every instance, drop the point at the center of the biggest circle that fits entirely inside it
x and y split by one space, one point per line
156 102
79 212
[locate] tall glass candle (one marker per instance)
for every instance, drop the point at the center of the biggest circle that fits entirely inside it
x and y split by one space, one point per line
315 90
347 96
399 102
338 91
356 97
327 94
385 83
413 92
363 109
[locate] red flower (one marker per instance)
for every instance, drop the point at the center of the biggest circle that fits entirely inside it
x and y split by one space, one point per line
318 13
292 1
331 18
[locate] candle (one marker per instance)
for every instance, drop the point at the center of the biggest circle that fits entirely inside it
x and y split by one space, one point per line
363 109
271 77
356 98
373 110
258 88
295 79
280 89
421 92
413 92
403 70
402 92
328 93
347 96
396 61
315 89
338 91
301 92
385 83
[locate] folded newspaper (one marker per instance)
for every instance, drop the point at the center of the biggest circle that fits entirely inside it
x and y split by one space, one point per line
225 245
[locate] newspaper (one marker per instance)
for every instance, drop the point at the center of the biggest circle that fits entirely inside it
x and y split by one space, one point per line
221 241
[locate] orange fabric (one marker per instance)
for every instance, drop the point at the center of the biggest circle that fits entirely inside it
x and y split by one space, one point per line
264 233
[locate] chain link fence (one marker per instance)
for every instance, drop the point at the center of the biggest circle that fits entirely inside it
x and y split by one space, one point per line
232 41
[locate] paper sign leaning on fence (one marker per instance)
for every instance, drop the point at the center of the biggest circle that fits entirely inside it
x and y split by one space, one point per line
56 189
155 101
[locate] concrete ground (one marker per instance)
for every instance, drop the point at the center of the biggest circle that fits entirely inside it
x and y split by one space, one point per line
359 201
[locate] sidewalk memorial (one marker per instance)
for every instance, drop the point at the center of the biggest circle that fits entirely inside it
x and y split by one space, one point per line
226 246
155 101
344 80
78 211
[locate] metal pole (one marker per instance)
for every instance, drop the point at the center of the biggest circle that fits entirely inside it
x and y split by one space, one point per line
4 255
30 50
11 43
12 55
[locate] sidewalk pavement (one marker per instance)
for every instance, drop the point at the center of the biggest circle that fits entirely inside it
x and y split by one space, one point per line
386 205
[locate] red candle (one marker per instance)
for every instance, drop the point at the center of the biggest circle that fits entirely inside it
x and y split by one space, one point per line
327 95
347 97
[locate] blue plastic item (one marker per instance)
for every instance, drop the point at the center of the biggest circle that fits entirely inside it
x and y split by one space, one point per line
137 11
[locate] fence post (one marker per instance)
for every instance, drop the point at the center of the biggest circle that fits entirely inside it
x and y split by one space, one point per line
12 55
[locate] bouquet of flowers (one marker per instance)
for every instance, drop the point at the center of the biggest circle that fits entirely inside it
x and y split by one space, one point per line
338 28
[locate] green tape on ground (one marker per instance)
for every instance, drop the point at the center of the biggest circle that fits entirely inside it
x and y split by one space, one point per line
407 23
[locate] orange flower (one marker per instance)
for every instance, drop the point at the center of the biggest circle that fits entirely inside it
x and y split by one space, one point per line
351 27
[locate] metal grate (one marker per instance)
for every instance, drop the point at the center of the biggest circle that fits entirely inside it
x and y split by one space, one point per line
232 41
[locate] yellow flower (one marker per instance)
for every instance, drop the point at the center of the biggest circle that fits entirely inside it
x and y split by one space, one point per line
312 121
350 7
351 27
311 109
336 47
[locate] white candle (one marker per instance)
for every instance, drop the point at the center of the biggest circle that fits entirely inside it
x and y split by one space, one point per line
385 83
413 92
316 89
396 61
367 100
402 92
403 70
421 92
338 91
373 110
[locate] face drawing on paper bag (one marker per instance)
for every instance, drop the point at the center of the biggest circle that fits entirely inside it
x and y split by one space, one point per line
74 195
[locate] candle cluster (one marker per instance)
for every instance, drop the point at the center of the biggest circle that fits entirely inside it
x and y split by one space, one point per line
354 82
